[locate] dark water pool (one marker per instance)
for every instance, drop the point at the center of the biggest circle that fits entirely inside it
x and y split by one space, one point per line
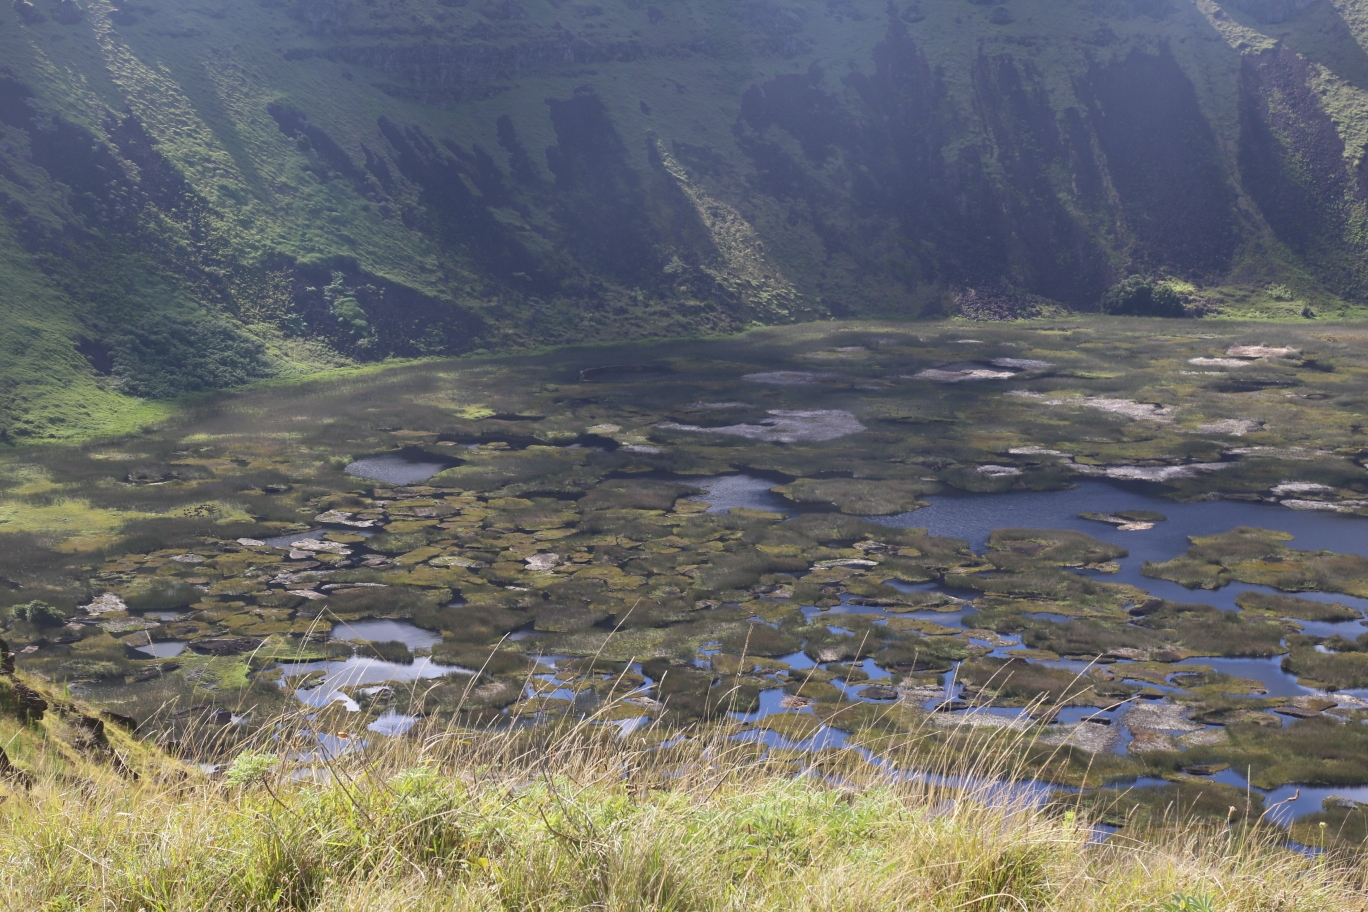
973 516
744 491
405 467
1267 672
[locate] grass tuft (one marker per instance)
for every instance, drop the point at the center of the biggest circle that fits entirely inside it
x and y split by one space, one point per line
572 816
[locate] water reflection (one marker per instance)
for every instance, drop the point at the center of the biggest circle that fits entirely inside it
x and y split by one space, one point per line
1267 672
168 649
288 540
971 517
384 630
406 467
744 491
1288 802
358 671
770 702
822 739
1350 630
974 516
392 723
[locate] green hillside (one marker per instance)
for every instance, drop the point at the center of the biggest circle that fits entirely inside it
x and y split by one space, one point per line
303 184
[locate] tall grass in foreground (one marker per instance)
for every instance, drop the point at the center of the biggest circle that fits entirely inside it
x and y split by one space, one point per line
574 817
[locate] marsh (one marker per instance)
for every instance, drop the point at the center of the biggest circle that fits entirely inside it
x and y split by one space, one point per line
731 539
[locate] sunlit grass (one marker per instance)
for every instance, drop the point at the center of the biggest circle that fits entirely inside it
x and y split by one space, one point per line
570 816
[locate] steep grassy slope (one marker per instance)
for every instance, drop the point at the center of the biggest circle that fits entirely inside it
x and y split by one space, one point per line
44 735
355 179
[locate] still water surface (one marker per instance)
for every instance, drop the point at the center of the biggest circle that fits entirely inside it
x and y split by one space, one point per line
967 516
406 467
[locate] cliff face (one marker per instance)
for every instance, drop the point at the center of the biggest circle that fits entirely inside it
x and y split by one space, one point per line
355 179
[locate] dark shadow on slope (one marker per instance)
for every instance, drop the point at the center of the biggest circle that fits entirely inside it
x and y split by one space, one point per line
1057 255
600 199
947 207
330 294
445 175
1164 163
332 159
1292 164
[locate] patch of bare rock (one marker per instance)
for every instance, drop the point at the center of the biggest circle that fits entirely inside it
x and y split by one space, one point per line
786 426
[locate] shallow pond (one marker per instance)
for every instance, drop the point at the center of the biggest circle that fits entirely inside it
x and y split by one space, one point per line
1350 630
724 492
798 661
966 516
358 671
825 737
167 649
770 701
1267 672
384 630
1288 802
1049 616
164 616
392 723
974 516
406 467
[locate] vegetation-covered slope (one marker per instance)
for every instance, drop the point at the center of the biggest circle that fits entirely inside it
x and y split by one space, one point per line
45 735
339 180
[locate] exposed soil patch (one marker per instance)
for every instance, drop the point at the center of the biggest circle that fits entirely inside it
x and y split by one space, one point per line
789 378
1151 473
1138 411
787 426
1161 717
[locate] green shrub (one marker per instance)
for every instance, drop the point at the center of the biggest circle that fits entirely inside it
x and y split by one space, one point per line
166 355
760 640
345 307
250 768
1138 297
39 614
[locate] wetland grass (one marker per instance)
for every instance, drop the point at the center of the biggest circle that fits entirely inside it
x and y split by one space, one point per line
580 815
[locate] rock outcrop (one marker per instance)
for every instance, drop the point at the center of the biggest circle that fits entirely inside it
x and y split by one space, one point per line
17 698
1271 11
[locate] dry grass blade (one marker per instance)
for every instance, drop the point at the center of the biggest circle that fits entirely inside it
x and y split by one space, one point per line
572 815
